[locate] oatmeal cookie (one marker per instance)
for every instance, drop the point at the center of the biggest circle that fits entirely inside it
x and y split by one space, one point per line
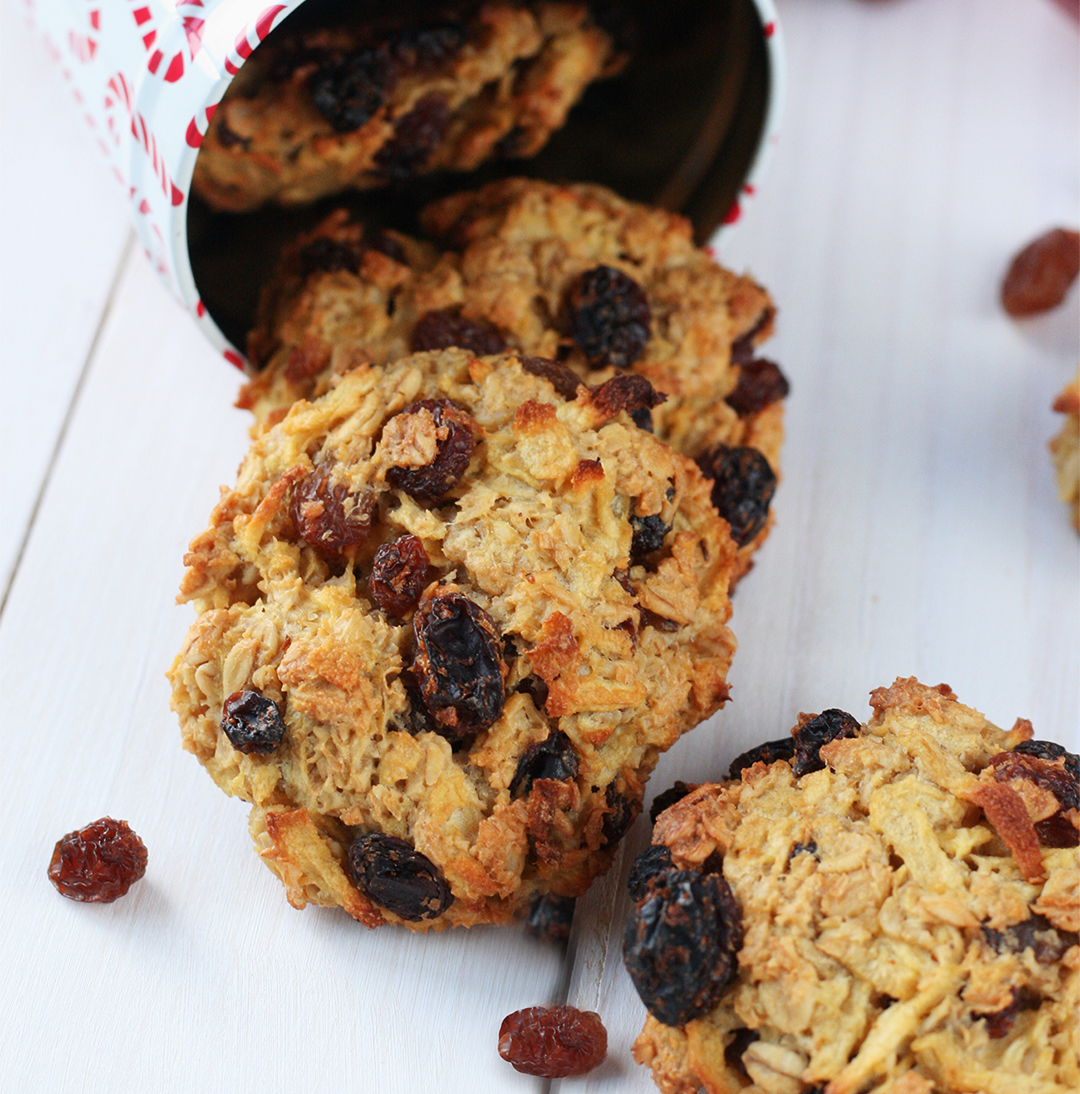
1065 449
574 274
375 100
889 907
447 622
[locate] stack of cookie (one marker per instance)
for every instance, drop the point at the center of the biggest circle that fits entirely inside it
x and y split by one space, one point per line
507 465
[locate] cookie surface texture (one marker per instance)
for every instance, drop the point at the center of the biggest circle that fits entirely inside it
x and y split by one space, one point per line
572 274
1065 449
435 574
909 911
371 102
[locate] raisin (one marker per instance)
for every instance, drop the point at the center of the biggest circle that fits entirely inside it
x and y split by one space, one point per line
642 418
627 392
349 90
1057 831
741 1040
458 666
386 244
98 863
331 518
416 135
552 758
415 719
646 866
768 753
1036 933
550 917
609 317
742 349
827 726
810 848
761 383
446 328
1040 275
398 575
536 689
397 877
623 578
420 51
667 798
1048 750
553 1042
252 723
648 535
452 456
561 377
330 255
1052 775
622 813
1000 1022
743 486
681 942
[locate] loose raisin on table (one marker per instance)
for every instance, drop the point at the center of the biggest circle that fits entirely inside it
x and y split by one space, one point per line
398 575
416 135
98 863
448 327
1036 933
769 752
743 486
761 383
252 723
1040 275
561 377
553 1042
452 456
667 798
648 535
827 726
458 666
550 917
331 518
349 90
552 758
397 877
609 317
646 866
681 942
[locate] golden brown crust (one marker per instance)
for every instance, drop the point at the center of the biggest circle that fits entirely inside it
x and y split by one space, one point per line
536 537
1065 449
887 905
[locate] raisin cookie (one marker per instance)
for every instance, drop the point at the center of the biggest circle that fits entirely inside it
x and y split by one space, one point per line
447 622
867 908
574 274
376 100
1065 449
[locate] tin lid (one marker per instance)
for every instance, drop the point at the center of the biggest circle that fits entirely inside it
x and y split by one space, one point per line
685 126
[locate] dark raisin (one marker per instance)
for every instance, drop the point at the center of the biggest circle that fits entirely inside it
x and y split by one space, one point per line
1057 831
623 578
446 328
768 753
349 90
561 377
330 255
628 392
1040 275
827 726
761 383
1049 774
623 813
397 877
422 50
667 798
646 866
743 486
1000 1022
330 517
552 758
642 418
454 450
389 246
415 718
536 689
458 666
553 1042
742 349
609 317
1036 933
550 917
252 723
416 135
648 535
810 848
681 942
98 863
658 622
398 575
741 1040
1048 750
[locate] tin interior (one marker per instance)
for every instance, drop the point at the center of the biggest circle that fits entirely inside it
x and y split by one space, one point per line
679 128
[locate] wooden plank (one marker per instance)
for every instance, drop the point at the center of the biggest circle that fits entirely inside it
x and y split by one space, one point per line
63 227
918 530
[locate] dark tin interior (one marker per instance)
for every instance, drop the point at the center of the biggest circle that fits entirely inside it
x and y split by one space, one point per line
679 128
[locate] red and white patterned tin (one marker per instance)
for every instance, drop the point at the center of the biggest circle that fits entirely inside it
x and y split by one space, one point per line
148 75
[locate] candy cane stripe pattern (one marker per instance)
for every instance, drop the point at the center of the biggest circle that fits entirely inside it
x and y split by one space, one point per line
250 37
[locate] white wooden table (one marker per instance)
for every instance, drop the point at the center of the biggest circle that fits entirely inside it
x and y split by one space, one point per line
918 533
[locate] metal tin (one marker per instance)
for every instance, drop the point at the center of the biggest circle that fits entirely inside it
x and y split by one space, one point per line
689 131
